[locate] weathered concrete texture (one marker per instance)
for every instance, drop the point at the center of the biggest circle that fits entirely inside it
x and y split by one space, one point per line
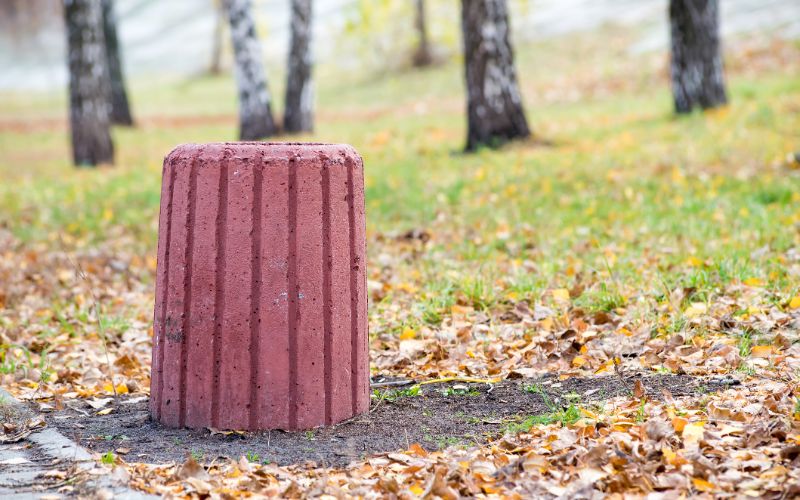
260 314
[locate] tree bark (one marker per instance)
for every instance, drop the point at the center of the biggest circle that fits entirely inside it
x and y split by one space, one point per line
89 92
299 112
422 56
215 65
696 71
255 111
494 105
120 108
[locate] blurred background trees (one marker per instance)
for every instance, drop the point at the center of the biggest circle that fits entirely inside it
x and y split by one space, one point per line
697 75
376 39
299 106
255 107
422 56
120 109
217 39
494 103
89 89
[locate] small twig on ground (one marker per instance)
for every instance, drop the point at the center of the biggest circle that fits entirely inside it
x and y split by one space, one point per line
391 383
620 372
461 379
380 400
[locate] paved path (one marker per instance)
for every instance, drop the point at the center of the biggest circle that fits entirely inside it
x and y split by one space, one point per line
46 465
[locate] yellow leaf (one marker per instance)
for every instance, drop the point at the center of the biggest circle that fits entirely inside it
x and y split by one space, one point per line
458 310
408 334
695 310
108 214
561 294
605 366
512 296
679 423
416 489
418 450
754 282
692 432
761 351
105 411
578 361
672 457
381 138
702 485
795 302
694 261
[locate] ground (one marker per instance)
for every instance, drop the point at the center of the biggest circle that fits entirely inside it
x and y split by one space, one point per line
619 240
434 416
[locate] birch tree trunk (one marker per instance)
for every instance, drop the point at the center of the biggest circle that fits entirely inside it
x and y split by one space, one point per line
89 91
120 108
255 112
299 111
422 56
696 71
494 105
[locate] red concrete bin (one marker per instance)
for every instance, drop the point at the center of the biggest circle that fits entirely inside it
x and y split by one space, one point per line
260 313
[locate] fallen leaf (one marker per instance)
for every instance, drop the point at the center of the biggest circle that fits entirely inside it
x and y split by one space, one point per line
702 485
761 351
408 334
191 468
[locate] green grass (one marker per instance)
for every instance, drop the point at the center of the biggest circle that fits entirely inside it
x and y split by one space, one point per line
108 458
565 415
395 394
456 392
615 198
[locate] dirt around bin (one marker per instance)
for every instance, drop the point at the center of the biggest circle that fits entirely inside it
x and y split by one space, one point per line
434 415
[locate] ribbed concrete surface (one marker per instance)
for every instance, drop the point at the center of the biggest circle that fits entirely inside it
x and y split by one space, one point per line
260 313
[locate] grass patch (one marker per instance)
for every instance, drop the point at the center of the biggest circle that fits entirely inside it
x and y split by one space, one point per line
565 415
395 394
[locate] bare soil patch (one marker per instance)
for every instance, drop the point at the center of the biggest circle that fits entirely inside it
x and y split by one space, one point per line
440 415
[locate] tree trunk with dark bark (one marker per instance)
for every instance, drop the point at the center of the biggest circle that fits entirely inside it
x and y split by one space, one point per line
89 92
255 111
494 105
697 74
422 56
120 108
299 111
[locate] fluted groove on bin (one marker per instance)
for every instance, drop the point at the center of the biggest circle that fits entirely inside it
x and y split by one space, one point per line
326 290
255 297
219 298
260 317
292 292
